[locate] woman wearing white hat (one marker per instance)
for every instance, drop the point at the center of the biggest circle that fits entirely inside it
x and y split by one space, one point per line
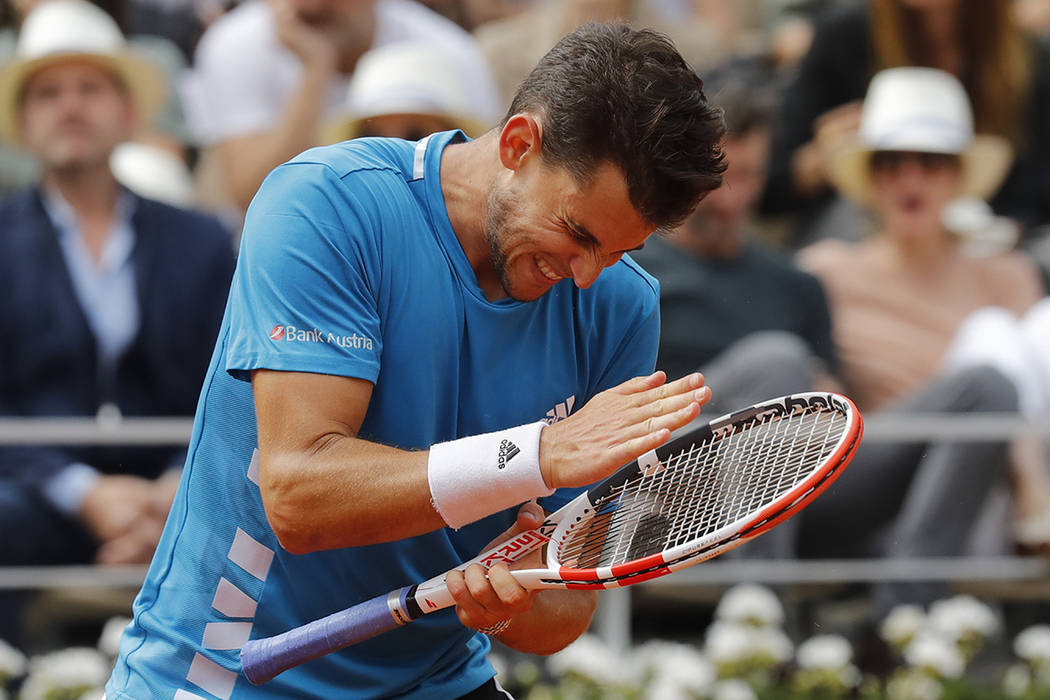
896 300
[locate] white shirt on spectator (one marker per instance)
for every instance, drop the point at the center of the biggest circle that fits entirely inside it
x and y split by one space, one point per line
243 74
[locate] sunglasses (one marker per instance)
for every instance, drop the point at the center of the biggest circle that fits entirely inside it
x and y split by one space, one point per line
888 161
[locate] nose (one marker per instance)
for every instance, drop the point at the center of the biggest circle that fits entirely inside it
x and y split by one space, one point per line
585 269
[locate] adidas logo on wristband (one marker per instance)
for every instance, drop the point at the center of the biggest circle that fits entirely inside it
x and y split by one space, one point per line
507 451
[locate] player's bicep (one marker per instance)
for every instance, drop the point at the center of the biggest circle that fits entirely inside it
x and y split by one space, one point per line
297 411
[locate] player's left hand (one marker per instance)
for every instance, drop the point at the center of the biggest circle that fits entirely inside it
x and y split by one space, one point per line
485 598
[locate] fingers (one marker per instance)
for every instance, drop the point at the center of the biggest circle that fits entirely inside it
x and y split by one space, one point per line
486 598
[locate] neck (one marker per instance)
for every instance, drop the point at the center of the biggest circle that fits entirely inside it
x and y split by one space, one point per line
467 171
90 192
924 252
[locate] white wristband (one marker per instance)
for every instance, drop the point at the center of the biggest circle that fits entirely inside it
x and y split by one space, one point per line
483 474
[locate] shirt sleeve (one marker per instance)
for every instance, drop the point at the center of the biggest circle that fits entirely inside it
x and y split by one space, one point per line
304 297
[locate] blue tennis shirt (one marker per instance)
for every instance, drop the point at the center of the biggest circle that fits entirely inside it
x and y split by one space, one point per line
349 266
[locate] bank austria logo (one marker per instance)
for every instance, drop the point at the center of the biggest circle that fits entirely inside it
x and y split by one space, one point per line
292 334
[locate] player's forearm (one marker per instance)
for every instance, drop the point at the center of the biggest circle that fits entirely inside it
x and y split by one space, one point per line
555 620
345 492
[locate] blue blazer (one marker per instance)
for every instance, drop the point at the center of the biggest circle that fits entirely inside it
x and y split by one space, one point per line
48 361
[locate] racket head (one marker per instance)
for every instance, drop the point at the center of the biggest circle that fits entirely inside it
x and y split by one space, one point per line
706 491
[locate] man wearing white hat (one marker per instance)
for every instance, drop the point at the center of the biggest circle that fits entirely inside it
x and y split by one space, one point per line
111 301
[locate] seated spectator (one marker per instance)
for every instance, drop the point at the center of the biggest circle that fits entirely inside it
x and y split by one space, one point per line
270 74
732 307
1006 74
897 298
111 302
407 90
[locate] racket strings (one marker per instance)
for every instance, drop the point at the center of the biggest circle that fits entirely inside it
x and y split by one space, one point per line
703 488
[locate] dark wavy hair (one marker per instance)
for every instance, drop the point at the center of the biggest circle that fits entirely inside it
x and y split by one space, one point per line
610 93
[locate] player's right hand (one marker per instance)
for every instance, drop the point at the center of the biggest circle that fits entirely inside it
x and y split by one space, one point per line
618 426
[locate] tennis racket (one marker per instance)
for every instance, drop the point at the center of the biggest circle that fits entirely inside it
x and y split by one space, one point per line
699 495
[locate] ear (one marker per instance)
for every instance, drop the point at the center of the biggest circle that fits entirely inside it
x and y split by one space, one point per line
519 140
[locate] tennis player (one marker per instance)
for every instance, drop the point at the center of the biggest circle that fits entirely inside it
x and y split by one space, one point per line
412 332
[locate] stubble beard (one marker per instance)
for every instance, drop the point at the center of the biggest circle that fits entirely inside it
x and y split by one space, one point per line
498 206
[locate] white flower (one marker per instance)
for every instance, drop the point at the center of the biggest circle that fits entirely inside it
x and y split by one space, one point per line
1033 644
733 689
12 661
664 688
112 631
728 642
772 642
902 624
93 694
961 615
679 665
591 658
939 655
913 686
76 667
732 643
827 651
751 604
1017 680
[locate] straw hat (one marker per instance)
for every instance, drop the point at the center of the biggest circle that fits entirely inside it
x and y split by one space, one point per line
407 78
919 110
57 31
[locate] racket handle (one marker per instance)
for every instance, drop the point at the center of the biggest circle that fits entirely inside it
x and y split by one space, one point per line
262 659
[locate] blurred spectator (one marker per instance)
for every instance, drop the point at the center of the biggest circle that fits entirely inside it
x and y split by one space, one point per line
897 298
407 90
166 128
269 75
111 302
514 44
1005 72
730 306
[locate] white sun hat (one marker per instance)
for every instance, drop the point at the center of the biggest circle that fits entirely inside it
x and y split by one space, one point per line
919 110
153 172
57 31
407 77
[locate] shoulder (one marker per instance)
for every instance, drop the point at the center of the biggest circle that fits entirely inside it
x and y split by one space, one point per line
357 171
626 287
1012 273
361 156
347 188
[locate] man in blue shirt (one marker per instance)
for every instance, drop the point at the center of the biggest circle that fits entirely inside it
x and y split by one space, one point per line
399 312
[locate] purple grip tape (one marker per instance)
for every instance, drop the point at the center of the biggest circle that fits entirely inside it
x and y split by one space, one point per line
262 659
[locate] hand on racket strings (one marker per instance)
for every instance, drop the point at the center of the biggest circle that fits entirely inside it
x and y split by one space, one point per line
617 426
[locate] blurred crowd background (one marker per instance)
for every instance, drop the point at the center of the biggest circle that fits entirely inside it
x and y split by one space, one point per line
883 230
